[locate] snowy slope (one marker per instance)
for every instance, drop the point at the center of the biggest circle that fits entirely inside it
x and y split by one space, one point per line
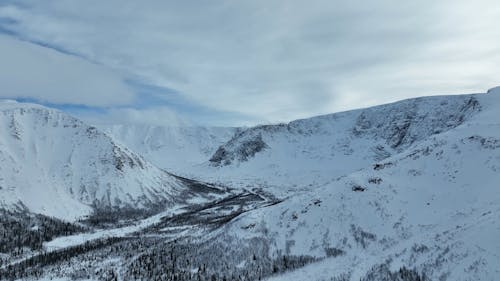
176 149
307 153
434 206
56 165
302 154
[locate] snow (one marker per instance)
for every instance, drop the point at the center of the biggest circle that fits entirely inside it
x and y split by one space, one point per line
305 154
56 165
438 187
413 183
175 149
82 238
441 192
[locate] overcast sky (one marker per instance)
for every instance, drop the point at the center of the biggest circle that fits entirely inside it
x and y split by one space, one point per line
242 62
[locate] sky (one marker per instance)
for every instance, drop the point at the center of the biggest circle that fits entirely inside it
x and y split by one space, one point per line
233 63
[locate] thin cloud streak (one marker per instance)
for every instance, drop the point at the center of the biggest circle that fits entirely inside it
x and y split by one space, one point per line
31 71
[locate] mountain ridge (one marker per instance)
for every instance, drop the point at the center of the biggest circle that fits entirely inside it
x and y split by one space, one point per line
48 155
405 191
433 207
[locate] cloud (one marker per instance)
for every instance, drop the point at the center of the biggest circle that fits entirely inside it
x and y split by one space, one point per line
278 60
156 116
35 72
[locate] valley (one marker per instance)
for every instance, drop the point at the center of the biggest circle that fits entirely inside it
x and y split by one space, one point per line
403 191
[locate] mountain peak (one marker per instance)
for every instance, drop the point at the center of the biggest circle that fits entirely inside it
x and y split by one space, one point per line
494 90
47 155
13 104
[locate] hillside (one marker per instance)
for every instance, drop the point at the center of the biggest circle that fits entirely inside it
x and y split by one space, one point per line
56 165
175 149
307 153
434 207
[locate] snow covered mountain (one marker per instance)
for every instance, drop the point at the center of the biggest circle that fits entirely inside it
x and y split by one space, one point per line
56 165
432 203
176 149
311 152
401 192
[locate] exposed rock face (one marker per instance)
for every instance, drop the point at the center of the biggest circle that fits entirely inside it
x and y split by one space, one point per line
403 123
392 127
244 150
